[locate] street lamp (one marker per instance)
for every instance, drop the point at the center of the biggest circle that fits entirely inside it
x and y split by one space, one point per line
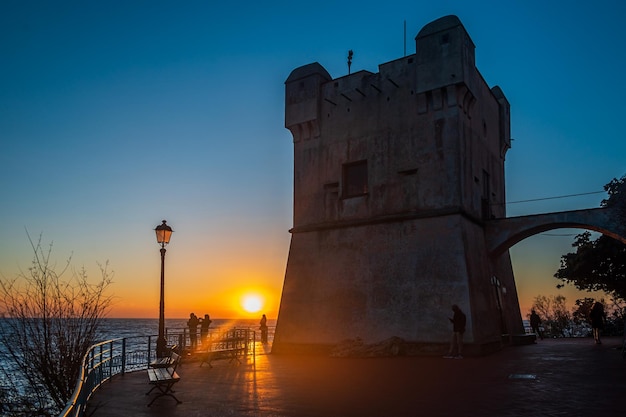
163 235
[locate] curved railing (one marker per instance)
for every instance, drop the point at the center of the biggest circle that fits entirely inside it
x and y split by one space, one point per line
103 361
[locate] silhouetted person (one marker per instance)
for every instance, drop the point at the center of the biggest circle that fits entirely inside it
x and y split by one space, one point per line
597 318
458 328
535 321
192 323
263 329
204 328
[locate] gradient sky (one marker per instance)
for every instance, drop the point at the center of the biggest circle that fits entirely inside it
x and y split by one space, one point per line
115 115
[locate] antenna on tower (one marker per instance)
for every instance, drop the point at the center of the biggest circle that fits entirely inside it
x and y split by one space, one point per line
350 53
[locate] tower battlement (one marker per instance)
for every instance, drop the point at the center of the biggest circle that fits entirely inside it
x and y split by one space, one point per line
432 133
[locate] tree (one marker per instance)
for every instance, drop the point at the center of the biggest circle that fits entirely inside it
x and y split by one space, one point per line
598 265
582 308
554 314
51 318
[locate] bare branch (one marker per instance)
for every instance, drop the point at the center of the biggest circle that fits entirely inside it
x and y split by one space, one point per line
51 319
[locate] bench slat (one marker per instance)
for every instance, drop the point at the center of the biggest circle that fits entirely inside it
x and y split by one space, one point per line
166 361
162 362
161 375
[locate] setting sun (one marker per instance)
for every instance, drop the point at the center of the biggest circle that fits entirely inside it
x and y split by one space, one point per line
252 303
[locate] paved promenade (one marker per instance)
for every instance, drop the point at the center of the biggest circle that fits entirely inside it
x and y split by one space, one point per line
556 377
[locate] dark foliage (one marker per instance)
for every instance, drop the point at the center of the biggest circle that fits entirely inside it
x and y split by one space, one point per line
598 265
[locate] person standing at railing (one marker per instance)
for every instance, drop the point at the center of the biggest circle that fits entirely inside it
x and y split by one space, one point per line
192 324
263 329
204 329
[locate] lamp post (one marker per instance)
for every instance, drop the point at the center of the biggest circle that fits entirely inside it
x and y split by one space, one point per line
163 235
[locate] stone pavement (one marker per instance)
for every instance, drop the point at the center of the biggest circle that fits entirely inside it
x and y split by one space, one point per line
556 377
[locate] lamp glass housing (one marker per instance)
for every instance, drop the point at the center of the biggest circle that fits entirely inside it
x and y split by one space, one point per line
163 233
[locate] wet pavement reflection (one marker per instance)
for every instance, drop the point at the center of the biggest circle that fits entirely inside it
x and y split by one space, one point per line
572 377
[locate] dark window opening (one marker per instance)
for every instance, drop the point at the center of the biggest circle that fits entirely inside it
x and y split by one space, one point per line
354 179
411 171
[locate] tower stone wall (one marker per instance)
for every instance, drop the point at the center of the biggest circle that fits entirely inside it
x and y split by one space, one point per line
395 174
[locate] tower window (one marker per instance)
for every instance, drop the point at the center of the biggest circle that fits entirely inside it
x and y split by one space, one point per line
354 179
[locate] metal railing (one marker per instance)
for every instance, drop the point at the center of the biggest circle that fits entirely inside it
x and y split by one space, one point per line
103 361
118 356
180 336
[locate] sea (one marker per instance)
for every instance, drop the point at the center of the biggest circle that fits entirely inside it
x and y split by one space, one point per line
118 328
141 328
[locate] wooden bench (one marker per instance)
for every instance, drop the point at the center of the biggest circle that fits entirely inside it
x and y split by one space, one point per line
164 378
164 362
230 345
230 353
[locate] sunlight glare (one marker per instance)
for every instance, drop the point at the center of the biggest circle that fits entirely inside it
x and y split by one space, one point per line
252 303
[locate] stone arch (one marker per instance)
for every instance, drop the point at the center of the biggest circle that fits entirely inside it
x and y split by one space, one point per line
501 234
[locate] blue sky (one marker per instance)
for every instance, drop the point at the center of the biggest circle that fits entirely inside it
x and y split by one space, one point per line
115 115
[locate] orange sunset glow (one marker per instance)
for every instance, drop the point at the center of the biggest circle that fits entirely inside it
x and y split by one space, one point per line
229 301
225 280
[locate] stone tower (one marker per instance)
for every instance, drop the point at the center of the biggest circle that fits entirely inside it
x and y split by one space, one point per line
395 175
